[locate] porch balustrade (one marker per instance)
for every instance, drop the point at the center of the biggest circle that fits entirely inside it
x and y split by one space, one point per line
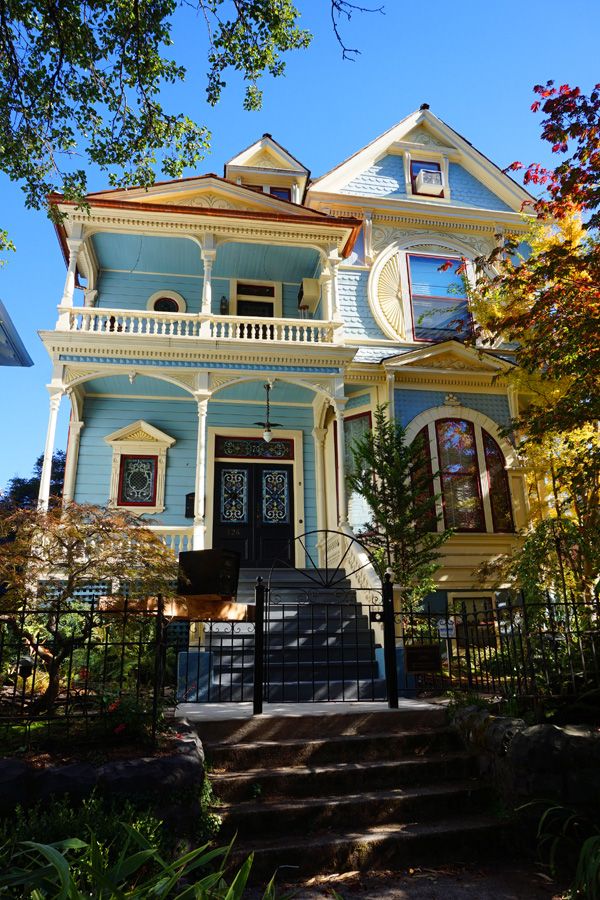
177 538
151 324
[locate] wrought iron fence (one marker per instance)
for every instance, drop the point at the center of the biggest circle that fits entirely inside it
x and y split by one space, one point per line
93 667
507 648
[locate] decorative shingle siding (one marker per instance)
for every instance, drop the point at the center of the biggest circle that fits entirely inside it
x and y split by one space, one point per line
409 404
376 354
384 178
468 191
354 305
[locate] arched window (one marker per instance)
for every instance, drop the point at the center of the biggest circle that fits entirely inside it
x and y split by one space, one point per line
472 476
166 302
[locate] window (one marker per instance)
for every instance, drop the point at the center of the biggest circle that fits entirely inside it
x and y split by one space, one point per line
166 302
459 474
280 193
139 463
426 178
438 298
473 481
256 299
137 481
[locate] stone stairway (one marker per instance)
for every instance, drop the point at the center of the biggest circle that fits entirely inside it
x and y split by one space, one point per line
329 793
319 644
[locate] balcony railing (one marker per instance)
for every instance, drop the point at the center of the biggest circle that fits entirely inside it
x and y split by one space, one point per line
150 324
178 538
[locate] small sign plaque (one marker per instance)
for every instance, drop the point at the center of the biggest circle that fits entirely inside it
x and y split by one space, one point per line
446 628
422 658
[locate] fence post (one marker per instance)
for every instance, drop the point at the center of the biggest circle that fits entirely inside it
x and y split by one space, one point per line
159 662
389 642
259 624
465 618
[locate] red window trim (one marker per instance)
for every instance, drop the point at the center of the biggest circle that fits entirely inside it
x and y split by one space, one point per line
120 501
413 178
477 476
410 291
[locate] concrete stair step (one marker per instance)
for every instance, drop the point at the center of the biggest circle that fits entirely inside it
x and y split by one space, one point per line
393 845
333 779
313 725
262 818
305 655
346 748
294 671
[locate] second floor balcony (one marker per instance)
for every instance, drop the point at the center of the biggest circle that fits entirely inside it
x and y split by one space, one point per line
151 324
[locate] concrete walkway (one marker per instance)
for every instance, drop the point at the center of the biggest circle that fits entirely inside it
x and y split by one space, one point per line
215 712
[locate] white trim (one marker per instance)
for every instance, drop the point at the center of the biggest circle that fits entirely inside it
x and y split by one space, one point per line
148 441
276 299
297 464
169 295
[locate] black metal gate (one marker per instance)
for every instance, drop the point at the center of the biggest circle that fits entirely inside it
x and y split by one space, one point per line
314 633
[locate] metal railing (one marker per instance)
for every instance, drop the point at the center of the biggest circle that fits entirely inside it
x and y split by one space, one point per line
509 648
147 323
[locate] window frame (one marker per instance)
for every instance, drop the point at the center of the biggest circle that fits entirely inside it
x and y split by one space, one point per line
276 299
413 178
139 439
483 479
123 504
167 295
420 340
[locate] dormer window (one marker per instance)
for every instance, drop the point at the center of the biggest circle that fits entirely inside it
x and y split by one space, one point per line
426 178
281 193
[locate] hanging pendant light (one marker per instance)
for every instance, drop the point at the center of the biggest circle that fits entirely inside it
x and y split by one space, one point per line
267 425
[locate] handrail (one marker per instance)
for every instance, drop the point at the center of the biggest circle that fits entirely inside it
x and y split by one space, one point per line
149 323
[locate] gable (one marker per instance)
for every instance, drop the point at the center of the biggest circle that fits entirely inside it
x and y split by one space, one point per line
265 153
381 170
140 432
451 356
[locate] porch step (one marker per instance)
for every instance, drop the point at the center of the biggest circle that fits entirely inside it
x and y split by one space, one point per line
327 793
342 748
336 778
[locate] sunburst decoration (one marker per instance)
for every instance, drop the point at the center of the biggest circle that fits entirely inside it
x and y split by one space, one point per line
389 294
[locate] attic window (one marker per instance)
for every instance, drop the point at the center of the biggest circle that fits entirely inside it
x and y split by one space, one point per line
426 178
281 193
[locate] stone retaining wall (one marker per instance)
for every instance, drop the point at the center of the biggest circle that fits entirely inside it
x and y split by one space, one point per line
170 784
534 762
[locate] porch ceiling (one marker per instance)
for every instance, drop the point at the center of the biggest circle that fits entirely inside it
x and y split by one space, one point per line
144 253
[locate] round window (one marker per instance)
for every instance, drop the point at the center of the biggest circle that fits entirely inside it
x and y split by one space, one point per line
166 304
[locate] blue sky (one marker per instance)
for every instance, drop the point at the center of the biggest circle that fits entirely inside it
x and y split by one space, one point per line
474 63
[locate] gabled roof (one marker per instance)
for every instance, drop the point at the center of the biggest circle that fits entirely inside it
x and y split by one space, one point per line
266 153
424 129
204 191
12 349
140 432
451 356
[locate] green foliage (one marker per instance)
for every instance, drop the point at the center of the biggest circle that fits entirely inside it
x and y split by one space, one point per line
83 82
397 486
24 491
569 841
61 819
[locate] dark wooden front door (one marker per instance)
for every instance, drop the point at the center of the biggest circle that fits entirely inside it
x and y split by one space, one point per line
254 511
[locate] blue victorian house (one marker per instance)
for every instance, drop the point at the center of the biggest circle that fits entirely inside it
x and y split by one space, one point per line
238 331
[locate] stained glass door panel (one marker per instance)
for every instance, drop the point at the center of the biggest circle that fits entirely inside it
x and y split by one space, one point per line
253 511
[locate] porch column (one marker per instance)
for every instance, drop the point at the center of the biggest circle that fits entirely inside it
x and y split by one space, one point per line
327 303
199 537
56 394
319 441
338 407
334 261
75 427
209 255
74 244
